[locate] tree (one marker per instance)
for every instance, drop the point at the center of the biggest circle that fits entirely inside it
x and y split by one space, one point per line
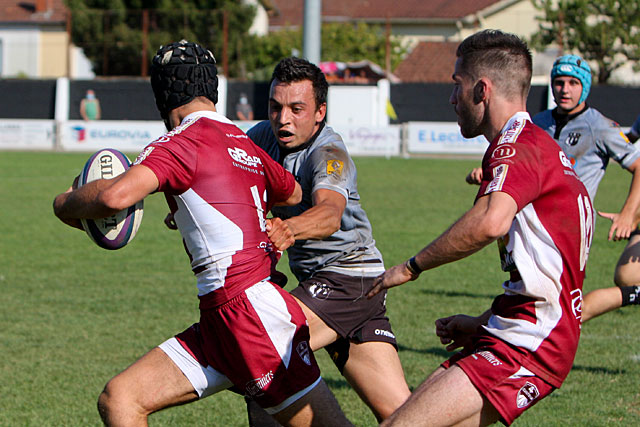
360 41
606 32
110 31
340 42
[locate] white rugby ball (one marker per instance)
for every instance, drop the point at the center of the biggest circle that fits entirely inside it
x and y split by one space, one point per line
117 230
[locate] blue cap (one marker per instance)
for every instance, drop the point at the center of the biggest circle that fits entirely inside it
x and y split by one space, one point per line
574 66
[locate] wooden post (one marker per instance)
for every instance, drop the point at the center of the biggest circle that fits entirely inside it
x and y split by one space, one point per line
387 46
225 42
69 43
145 41
105 44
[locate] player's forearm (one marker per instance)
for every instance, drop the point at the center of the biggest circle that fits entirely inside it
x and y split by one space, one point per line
632 204
316 223
459 241
489 219
84 202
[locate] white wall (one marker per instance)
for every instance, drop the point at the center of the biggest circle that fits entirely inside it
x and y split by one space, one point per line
81 67
351 105
260 25
20 52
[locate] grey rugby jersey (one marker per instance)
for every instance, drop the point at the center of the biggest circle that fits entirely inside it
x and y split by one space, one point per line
325 163
589 140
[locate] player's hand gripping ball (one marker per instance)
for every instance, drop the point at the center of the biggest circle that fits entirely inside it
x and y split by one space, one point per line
117 230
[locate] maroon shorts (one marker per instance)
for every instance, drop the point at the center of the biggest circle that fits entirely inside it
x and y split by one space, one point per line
494 369
259 341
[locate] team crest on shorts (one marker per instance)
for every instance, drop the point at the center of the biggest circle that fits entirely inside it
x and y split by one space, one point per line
527 394
319 290
304 353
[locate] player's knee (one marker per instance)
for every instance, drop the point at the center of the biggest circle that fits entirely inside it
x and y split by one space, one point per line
385 410
625 276
105 406
116 403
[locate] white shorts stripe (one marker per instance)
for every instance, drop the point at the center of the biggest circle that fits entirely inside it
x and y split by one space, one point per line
205 380
275 317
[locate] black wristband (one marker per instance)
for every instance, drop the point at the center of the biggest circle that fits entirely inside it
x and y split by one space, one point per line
413 267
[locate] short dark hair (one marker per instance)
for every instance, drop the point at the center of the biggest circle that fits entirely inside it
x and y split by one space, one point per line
293 69
503 57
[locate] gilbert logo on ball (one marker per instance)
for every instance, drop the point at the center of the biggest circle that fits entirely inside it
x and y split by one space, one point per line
119 229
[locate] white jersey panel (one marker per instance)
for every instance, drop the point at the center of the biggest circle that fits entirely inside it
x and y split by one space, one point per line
210 238
539 263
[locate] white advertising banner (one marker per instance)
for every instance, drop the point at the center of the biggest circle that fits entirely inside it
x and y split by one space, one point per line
442 137
123 135
27 134
369 140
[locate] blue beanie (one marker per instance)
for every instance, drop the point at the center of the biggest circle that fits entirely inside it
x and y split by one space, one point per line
574 66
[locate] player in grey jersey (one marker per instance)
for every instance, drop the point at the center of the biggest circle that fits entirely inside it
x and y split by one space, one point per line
325 164
590 140
328 238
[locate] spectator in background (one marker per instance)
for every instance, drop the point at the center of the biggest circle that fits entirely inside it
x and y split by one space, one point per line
243 108
90 107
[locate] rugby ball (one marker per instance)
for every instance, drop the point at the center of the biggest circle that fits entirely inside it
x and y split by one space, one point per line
117 230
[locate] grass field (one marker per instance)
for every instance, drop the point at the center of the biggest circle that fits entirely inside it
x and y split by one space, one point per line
73 315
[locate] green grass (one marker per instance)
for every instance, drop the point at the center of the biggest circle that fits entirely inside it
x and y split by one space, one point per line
73 315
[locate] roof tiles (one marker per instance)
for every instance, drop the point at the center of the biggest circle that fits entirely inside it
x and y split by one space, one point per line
429 62
53 11
290 12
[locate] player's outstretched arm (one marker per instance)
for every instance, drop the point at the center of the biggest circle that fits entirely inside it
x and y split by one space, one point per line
322 219
104 197
395 276
625 222
489 219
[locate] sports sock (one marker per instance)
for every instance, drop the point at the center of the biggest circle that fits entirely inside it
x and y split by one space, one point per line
630 295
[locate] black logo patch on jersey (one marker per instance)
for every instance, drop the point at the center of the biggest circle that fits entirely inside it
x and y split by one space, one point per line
573 138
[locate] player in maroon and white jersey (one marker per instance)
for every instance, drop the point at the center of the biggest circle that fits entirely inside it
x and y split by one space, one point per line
531 202
252 335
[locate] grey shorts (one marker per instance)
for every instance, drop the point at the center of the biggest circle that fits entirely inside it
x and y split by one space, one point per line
341 302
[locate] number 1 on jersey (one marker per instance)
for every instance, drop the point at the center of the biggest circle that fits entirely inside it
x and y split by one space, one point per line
256 200
586 228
